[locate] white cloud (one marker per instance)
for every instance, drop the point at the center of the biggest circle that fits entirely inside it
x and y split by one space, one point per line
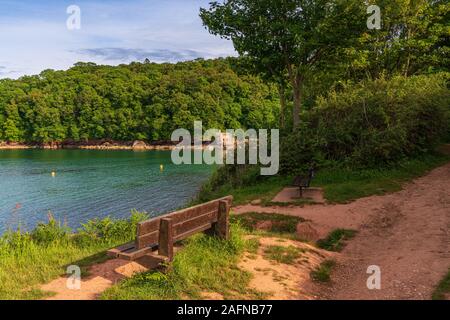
110 33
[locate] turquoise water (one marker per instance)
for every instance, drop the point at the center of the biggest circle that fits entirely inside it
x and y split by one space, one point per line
91 184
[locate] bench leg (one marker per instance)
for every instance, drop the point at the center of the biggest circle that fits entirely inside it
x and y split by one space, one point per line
222 227
166 238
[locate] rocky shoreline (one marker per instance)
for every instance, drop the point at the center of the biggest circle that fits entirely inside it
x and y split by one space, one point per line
94 145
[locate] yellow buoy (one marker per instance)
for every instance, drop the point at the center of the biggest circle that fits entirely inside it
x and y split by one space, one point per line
53 174
161 167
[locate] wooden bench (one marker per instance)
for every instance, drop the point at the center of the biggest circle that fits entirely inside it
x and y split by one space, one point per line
303 182
160 233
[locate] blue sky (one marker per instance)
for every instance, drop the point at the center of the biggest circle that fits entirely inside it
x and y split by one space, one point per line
34 35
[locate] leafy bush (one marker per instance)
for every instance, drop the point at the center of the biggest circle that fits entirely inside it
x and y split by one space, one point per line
229 177
372 123
383 121
48 233
301 150
109 230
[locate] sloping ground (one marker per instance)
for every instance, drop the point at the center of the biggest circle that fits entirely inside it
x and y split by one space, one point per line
283 281
406 234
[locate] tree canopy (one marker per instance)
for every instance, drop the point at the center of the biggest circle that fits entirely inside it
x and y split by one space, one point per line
310 45
139 101
287 38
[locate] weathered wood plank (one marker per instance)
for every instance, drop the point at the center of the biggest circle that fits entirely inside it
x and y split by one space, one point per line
136 254
192 232
161 232
147 240
148 226
123 248
185 226
166 238
222 227
185 214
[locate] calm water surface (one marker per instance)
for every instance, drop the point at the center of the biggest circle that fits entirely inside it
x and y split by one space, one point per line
91 184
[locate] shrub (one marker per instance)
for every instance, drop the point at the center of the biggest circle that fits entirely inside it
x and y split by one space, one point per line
109 230
372 123
383 121
51 232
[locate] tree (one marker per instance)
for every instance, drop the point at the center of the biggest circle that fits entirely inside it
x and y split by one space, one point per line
414 38
287 36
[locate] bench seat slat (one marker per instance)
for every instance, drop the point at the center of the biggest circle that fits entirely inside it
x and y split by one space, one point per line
123 248
135 254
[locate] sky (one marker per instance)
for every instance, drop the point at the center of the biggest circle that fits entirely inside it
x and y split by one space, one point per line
34 35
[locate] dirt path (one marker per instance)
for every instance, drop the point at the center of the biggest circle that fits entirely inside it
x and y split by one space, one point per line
406 234
101 277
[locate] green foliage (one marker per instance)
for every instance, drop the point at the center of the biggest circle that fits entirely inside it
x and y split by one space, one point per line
335 241
371 124
205 264
442 291
280 254
242 187
51 232
29 259
344 184
287 40
133 102
109 230
323 272
413 39
279 223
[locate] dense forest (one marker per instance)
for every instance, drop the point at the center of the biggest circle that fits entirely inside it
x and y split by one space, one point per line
139 101
288 62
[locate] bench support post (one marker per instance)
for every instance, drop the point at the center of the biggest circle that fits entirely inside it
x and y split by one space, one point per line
166 238
222 227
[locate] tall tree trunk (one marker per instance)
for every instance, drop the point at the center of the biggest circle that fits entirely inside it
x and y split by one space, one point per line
297 88
282 91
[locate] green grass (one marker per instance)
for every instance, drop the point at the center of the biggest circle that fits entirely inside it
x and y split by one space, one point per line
323 272
280 224
335 241
295 203
264 190
280 254
342 185
442 289
28 260
205 264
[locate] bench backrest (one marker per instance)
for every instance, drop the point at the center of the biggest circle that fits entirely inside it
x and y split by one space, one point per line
184 223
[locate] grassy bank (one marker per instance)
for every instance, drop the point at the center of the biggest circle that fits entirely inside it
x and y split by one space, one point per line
33 258
340 184
204 265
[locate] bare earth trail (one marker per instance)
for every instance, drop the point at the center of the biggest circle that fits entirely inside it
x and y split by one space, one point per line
406 234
